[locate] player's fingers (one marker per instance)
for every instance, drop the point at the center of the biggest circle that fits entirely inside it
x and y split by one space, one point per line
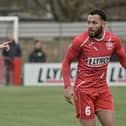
69 100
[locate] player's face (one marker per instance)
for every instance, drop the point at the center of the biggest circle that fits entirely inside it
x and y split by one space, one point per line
95 26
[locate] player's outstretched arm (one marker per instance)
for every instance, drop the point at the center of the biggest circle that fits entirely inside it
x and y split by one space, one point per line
120 53
122 57
5 45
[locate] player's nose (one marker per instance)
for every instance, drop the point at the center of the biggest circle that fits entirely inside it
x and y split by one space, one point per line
90 25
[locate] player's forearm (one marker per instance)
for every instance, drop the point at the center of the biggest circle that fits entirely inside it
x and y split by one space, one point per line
122 58
66 73
123 62
66 66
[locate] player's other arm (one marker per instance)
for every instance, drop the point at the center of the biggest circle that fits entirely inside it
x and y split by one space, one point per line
120 53
66 66
71 53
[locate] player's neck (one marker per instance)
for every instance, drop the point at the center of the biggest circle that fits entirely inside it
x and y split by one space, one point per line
100 37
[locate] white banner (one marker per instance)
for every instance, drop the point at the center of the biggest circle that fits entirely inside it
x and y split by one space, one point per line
116 74
45 74
37 74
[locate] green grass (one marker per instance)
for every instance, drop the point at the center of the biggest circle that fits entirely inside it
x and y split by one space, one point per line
45 106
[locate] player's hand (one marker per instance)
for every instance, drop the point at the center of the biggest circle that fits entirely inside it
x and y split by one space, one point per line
69 94
5 45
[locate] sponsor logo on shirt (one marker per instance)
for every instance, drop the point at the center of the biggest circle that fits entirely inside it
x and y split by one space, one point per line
98 61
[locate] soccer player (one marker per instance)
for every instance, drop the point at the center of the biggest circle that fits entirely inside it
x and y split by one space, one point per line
93 50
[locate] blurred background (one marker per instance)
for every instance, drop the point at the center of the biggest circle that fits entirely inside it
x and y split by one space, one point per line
54 23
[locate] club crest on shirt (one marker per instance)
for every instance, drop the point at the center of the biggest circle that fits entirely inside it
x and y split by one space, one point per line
109 45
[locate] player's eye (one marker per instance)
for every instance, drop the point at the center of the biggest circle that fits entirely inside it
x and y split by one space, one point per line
94 22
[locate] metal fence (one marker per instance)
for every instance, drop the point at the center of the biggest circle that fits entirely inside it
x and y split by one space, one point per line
54 29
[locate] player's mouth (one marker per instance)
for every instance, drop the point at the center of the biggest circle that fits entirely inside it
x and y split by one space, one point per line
91 32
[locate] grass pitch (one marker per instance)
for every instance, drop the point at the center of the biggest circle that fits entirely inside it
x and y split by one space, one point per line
45 106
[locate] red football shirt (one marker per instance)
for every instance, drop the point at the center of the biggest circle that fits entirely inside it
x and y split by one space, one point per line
93 56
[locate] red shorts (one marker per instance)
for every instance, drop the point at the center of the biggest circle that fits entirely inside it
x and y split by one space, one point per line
91 100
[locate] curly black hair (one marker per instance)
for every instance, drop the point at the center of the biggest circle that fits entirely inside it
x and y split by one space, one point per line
99 12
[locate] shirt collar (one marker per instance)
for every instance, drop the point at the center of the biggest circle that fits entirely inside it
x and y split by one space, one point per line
103 36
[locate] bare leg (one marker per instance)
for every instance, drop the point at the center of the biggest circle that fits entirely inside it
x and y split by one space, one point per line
106 117
88 122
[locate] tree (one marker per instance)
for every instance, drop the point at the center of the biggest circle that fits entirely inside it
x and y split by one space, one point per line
66 10
60 10
73 10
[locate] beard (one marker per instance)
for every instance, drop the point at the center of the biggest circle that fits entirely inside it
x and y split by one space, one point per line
96 34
